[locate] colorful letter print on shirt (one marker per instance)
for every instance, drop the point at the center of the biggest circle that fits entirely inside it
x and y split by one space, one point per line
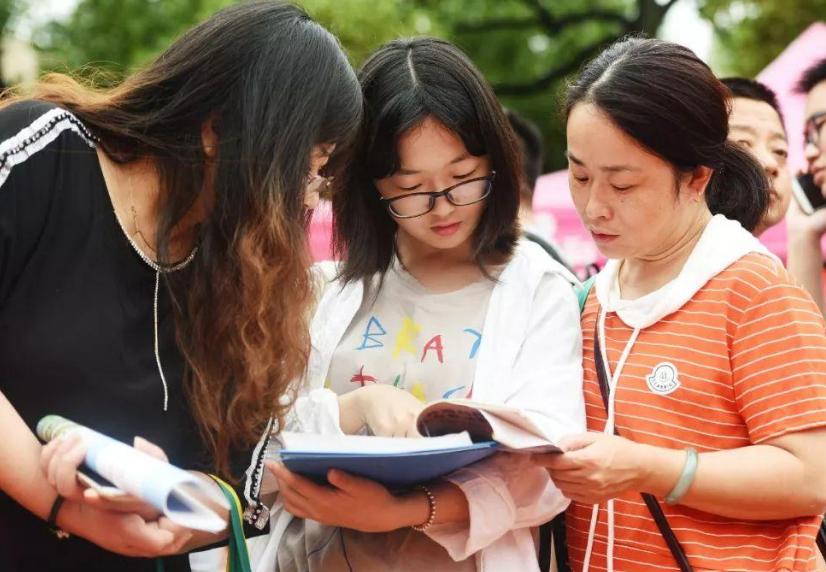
415 340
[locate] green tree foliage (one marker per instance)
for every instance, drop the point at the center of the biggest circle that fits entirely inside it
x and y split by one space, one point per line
525 47
121 35
114 35
7 11
751 33
364 25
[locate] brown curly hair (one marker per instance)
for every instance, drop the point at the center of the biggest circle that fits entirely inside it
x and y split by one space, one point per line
241 308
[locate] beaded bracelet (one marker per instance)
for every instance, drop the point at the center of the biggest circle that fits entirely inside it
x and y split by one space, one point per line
431 502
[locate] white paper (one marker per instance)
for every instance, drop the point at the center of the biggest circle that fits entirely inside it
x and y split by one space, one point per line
176 493
363 444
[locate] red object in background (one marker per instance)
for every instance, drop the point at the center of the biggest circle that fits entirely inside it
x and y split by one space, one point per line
556 219
321 232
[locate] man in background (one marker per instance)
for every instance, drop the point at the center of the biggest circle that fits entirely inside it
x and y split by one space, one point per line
805 259
756 123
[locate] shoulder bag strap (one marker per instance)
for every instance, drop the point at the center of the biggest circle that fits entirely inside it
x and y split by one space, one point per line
555 528
650 500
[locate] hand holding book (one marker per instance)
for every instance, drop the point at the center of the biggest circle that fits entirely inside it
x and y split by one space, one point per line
60 456
459 433
349 501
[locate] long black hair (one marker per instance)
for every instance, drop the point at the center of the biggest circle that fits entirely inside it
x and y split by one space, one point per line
273 83
405 82
667 99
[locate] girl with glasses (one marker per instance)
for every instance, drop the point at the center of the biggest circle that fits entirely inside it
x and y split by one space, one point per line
435 298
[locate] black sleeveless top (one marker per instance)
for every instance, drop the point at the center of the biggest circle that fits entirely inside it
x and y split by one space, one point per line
76 322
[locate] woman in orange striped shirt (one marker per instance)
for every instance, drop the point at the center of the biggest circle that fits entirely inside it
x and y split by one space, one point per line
712 361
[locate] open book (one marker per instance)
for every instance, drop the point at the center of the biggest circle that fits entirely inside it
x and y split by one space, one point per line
457 433
122 473
515 430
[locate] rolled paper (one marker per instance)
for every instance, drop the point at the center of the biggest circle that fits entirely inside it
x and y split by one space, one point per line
176 493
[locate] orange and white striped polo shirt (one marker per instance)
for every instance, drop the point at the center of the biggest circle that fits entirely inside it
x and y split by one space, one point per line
749 354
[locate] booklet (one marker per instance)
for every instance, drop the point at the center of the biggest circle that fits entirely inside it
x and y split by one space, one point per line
395 462
456 433
182 496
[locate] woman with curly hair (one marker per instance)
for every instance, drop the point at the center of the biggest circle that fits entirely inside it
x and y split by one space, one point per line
154 272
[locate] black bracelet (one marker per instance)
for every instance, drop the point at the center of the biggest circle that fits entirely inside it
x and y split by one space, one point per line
52 521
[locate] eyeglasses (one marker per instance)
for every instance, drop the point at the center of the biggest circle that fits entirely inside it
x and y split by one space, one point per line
417 204
814 128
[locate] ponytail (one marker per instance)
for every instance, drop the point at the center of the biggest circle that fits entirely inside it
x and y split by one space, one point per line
663 96
738 189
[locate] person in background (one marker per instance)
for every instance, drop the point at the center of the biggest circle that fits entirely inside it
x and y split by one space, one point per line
756 123
529 139
805 258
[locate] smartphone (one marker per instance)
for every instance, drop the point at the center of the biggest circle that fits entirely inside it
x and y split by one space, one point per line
807 194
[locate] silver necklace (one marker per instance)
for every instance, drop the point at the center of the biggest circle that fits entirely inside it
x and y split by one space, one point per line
159 269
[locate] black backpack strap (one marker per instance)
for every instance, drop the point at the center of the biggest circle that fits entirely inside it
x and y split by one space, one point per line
545 534
821 538
650 500
554 530
561 543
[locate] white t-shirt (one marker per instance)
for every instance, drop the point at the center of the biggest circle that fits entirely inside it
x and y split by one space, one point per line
409 337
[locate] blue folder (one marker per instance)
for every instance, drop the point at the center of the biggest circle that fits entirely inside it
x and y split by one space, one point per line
390 469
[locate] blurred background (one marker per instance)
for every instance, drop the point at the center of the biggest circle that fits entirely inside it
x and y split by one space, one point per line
526 48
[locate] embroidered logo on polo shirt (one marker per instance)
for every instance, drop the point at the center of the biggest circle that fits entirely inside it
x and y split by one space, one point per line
663 380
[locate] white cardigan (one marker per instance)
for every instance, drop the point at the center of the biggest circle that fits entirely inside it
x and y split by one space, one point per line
530 356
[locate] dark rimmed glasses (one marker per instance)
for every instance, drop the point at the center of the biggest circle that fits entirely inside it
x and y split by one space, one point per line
462 194
814 128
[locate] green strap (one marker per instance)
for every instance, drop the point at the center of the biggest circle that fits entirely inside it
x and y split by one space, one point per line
582 292
238 559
